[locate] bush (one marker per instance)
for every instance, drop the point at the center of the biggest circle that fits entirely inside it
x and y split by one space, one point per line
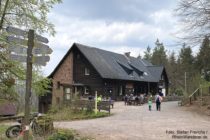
179 92
62 134
44 125
53 110
68 113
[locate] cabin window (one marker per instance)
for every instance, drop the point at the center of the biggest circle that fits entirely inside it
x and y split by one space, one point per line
121 90
87 91
68 96
58 85
87 71
68 90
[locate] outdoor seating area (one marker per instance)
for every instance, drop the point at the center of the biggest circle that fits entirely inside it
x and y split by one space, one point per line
135 99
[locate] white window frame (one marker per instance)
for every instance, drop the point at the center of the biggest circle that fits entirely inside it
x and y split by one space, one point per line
87 71
86 88
121 90
68 90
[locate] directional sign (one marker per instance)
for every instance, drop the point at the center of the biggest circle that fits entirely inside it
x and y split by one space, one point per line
23 49
16 31
16 40
40 63
19 58
17 49
39 60
41 38
42 48
23 33
18 46
39 48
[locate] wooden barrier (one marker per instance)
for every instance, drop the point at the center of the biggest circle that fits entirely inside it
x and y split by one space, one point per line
10 118
90 105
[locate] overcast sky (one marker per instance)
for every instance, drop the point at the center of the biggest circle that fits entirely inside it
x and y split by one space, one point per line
114 25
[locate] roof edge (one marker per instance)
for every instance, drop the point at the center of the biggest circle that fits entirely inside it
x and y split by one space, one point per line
59 64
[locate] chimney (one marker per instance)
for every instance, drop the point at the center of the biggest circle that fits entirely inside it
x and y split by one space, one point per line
127 54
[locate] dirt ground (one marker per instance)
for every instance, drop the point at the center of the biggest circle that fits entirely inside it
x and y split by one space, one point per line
137 123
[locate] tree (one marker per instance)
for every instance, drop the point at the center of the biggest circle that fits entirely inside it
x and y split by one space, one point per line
203 57
172 72
186 69
195 16
159 56
186 59
148 54
30 14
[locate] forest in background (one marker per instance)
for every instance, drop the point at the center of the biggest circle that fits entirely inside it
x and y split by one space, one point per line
186 71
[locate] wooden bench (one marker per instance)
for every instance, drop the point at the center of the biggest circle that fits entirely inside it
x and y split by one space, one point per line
90 105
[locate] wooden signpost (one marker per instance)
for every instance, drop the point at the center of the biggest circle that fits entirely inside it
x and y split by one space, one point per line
22 50
36 50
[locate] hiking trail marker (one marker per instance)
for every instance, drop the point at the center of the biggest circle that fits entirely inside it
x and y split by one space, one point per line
23 45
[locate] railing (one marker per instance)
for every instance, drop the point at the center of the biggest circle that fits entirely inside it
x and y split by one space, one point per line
194 95
90 105
10 118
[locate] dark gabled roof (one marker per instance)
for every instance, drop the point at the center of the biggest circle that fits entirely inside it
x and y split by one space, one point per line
156 71
117 66
146 63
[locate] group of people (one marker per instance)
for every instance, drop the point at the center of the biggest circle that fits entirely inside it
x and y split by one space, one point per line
140 99
134 99
99 98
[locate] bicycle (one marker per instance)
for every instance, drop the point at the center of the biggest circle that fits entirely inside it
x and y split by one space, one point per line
17 130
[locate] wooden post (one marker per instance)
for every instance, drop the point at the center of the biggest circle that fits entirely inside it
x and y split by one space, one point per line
96 109
185 82
201 96
28 84
190 101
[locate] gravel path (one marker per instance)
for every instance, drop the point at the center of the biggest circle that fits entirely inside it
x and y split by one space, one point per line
137 123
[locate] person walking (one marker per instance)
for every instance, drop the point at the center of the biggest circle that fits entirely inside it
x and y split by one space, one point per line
158 100
150 103
126 99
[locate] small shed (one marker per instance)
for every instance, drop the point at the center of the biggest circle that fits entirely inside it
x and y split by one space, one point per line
7 108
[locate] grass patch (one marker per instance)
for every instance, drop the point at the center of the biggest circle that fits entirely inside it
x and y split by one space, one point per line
3 128
69 114
58 134
67 134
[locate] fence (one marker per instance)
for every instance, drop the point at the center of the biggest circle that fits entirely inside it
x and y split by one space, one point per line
172 98
89 105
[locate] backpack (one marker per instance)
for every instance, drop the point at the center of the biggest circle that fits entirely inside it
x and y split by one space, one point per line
158 99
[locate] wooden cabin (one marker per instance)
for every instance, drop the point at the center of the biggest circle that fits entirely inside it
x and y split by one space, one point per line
85 70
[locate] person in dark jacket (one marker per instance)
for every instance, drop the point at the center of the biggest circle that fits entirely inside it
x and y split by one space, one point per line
158 100
126 99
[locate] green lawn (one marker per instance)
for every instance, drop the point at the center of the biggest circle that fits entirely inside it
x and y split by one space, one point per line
69 114
3 128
